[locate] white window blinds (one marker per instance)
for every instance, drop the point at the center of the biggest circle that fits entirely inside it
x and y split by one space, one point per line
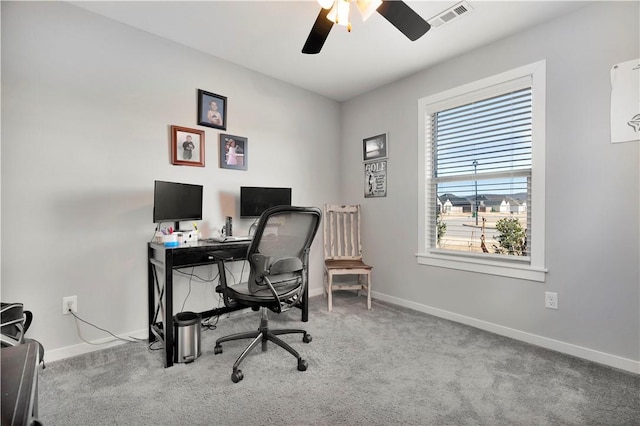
491 135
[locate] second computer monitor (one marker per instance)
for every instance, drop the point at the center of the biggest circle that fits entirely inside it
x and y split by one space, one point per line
256 199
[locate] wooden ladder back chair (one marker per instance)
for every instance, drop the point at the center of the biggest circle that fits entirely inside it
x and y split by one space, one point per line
343 251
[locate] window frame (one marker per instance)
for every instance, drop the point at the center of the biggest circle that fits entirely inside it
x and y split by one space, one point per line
532 267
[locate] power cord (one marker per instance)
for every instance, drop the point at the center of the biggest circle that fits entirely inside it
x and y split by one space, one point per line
189 292
211 323
77 318
154 233
191 274
157 348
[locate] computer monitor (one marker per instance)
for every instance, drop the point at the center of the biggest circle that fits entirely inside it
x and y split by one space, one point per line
176 202
254 199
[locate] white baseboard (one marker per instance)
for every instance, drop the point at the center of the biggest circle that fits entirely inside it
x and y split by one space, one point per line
96 345
315 291
556 345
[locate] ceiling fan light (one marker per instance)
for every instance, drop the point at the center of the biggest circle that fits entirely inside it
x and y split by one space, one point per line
368 7
339 13
325 4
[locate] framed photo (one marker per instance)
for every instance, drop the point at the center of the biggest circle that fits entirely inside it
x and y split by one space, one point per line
375 147
212 110
375 179
233 152
187 146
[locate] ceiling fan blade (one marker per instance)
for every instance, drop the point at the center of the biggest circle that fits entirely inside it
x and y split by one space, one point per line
318 34
404 18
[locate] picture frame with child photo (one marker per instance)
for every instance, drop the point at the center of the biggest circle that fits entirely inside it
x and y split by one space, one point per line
212 110
187 146
233 152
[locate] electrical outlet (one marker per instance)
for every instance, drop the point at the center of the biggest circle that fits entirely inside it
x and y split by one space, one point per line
69 302
551 300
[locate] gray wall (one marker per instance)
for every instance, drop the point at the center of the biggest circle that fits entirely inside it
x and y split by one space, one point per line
86 107
592 191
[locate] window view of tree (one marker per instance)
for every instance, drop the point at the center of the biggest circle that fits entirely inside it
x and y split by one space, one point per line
442 228
512 238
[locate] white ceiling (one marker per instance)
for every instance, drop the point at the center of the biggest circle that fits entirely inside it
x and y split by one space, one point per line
267 36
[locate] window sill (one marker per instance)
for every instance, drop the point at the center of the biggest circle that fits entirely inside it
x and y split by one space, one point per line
483 266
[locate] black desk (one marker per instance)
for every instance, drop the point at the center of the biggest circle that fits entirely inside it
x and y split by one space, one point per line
160 290
20 384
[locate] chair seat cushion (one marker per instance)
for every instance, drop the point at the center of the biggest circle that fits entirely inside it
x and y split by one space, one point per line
241 292
346 264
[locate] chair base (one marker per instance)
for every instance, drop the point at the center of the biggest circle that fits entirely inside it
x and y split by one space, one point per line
262 335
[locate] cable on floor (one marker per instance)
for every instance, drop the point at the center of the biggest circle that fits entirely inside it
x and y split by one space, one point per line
77 318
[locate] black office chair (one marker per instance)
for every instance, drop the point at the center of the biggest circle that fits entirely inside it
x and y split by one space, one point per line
14 323
277 257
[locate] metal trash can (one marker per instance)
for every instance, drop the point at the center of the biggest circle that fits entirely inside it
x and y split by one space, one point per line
187 336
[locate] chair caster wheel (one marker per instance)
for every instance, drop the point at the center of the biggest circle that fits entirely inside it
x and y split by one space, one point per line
302 365
236 376
217 349
306 338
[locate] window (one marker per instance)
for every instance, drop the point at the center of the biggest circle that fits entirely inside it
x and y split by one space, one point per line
482 167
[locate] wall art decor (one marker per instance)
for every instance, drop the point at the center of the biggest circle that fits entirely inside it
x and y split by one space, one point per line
625 102
212 110
233 152
187 146
375 179
375 147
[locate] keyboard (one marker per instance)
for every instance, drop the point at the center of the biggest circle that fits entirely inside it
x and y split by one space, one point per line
230 239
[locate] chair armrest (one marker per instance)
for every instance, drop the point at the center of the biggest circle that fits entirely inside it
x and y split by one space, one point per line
221 257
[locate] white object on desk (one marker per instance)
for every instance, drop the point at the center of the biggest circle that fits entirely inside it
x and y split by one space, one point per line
188 236
230 238
171 240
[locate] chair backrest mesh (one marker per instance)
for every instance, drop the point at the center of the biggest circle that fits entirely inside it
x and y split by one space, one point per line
282 233
342 232
12 324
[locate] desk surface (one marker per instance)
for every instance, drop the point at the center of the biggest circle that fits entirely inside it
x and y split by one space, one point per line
197 253
200 244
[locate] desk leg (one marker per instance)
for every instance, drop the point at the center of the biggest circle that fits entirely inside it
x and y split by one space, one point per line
305 305
168 308
151 293
305 295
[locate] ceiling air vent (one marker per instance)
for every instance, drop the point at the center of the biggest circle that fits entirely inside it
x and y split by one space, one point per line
450 14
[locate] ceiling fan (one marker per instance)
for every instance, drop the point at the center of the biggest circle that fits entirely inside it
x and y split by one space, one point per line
397 12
